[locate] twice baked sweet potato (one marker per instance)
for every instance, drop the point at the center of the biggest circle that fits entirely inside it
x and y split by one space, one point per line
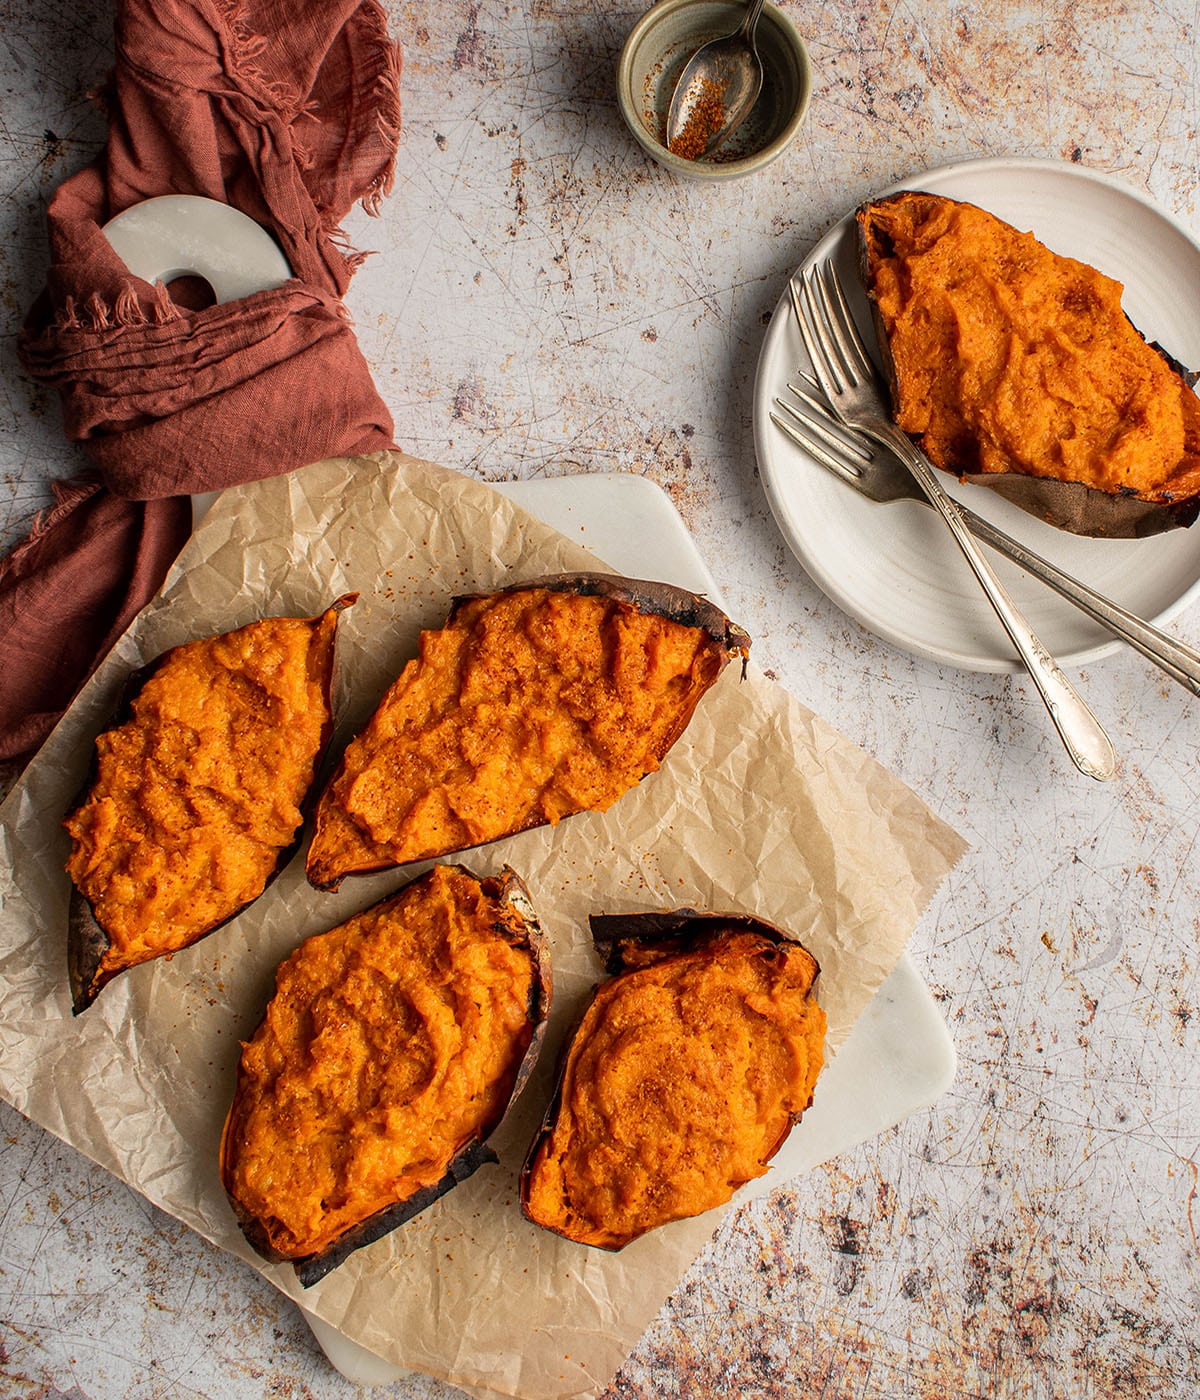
1015 367
197 792
546 699
683 1078
388 1055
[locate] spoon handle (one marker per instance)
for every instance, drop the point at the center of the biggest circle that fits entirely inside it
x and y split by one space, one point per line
753 10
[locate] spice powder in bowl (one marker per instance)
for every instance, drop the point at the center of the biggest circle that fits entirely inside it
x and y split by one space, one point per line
705 117
653 59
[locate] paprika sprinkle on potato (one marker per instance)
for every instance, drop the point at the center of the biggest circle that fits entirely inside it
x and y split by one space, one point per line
683 1079
528 706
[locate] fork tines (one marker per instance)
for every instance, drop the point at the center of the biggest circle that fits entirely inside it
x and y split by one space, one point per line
839 357
816 433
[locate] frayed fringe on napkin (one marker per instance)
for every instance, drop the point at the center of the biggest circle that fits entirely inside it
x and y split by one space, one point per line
289 110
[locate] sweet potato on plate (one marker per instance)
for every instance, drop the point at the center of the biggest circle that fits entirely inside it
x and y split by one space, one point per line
545 699
1016 368
197 793
388 1055
683 1078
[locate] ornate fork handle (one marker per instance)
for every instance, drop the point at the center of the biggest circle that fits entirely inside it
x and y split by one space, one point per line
1176 658
1090 748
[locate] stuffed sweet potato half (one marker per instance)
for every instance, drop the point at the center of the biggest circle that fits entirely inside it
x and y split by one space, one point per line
683 1078
1016 368
197 791
545 699
388 1055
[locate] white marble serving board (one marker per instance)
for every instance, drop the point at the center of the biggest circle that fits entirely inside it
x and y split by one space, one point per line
899 1057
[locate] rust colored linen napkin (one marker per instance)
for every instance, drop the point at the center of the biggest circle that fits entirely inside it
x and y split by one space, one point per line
288 110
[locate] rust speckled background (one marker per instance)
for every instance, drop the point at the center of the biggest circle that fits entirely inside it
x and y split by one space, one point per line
543 300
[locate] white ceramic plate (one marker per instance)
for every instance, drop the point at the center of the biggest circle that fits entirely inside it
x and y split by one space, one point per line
895 568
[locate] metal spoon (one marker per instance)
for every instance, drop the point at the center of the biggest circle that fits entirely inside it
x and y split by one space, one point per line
716 90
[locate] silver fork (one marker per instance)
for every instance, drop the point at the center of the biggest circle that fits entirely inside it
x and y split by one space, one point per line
854 391
876 473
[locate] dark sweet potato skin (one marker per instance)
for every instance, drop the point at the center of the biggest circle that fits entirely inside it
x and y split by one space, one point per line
665 599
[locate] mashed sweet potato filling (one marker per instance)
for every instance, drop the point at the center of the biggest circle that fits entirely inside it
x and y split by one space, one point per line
390 1042
682 1081
527 707
196 795
1011 358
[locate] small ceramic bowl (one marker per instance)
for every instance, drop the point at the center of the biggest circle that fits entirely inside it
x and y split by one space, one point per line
653 57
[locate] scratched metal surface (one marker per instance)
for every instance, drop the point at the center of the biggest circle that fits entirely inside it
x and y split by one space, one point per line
544 300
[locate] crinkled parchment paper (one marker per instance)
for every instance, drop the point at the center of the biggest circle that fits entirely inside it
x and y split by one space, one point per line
760 807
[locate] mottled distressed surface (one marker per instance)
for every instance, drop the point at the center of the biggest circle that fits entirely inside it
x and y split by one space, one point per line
544 301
